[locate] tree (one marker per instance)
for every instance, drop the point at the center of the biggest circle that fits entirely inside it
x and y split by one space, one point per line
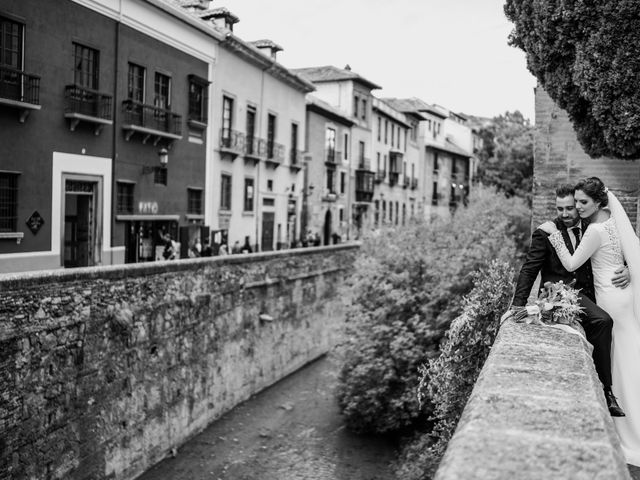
586 55
506 158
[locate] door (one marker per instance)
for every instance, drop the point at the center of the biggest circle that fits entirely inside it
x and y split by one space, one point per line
268 220
79 224
327 228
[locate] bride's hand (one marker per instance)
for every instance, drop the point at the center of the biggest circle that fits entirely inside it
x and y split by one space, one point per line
548 227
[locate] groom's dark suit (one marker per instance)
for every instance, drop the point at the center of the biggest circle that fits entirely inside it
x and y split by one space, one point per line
597 323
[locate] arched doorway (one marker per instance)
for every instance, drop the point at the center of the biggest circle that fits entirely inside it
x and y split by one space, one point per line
327 228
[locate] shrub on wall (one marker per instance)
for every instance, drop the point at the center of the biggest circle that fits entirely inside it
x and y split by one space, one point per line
447 381
407 288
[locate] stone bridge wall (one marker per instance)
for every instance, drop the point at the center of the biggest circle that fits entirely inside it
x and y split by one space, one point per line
537 411
104 370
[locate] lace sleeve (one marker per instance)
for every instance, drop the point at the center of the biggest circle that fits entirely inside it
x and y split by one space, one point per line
588 246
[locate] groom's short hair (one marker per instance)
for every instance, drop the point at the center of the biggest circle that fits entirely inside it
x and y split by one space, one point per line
565 190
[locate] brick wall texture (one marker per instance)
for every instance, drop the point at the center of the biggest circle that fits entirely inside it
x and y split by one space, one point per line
105 370
559 158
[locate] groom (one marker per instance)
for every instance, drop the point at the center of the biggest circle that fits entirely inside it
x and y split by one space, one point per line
542 258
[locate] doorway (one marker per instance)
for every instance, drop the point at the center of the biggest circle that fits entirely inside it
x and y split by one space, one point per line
81 239
268 220
327 228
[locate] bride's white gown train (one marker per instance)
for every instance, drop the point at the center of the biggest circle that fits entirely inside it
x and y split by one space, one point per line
601 243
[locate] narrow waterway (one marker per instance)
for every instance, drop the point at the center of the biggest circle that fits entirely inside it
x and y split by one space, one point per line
291 431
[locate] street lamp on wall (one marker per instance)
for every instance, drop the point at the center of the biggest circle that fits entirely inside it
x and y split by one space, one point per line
163 153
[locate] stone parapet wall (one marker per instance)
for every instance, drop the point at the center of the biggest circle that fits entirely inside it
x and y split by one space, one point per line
105 370
537 411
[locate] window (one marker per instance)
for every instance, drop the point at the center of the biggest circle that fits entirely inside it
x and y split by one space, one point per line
250 130
135 83
85 66
361 156
386 131
227 119
378 161
162 91
436 164
343 182
271 135
248 194
194 201
124 200
364 109
11 38
341 214
8 202
160 176
379 128
294 142
356 101
346 146
225 192
198 96
393 135
270 185
331 174
435 196
330 144
414 131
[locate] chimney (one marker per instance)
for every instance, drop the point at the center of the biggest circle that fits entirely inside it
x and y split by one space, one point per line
220 17
268 47
195 5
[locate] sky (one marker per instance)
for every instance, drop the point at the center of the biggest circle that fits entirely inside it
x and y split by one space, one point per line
450 52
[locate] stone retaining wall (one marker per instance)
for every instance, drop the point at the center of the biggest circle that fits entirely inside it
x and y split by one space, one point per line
104 370
537 411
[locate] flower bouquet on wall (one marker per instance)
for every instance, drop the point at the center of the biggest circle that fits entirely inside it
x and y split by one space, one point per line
557 304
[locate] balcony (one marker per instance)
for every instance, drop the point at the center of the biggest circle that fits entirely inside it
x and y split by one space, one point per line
151 122
295 160
394 178
255 149
380 175
364 164
406 182
333 157
275 154
83 104
414 183
364 186
232 143
19 90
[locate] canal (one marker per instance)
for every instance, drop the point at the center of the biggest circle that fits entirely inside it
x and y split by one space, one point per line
291 431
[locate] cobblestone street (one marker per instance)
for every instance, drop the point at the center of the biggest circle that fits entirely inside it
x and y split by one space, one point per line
291 431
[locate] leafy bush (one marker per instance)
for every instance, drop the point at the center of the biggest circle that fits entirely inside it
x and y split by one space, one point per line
407 288
448 380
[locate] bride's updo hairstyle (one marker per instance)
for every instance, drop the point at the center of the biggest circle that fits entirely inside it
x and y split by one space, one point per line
595 189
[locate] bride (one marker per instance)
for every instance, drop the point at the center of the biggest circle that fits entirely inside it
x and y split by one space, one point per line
609 241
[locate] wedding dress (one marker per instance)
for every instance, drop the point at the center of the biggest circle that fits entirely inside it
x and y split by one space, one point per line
602 243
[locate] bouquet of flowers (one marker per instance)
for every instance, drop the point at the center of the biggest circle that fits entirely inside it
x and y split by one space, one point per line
558 303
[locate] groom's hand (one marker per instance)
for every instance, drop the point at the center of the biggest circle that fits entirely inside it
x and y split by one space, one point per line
621 278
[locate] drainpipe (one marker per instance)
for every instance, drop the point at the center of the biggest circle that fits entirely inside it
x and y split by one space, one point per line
114 143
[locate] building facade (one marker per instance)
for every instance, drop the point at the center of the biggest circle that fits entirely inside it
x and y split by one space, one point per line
256 175
326 187
351 94
100 157
396 166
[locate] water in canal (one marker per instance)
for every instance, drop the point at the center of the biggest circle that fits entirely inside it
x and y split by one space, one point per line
291 431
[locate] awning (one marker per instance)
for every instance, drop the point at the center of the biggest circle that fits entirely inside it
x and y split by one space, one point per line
133 218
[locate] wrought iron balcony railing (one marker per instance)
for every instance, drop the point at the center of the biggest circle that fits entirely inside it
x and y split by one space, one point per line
275 153
406 182
232 141
151 120
295 159
90 103
364 164
19 86
414 183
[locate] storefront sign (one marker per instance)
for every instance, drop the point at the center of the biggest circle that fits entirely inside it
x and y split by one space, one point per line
148 207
